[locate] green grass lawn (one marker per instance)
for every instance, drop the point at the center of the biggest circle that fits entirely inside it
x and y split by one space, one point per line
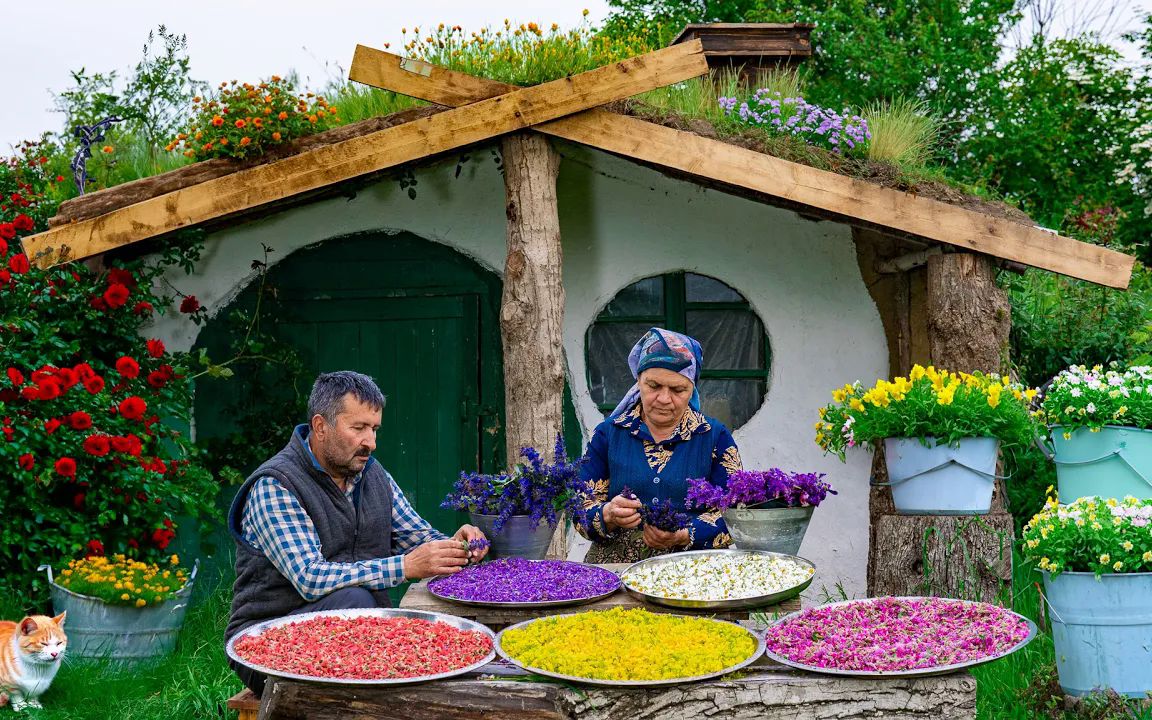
196 681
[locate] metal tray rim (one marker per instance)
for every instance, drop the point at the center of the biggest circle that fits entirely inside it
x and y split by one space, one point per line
729 604
916 672
456 622
755 655
513 605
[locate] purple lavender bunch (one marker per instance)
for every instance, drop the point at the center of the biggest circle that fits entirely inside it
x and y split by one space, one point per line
663 515
773 488
478 544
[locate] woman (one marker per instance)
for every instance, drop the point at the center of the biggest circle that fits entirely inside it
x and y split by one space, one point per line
653 442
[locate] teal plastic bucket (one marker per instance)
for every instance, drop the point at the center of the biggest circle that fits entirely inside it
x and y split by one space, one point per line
1102 630
1113 463
939 479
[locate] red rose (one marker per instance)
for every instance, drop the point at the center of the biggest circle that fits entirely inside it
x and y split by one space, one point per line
95 547
142 308
49 389
118 276
3 248
67 376
161 538
16 377
135 445
97 445
80 420
66 466
5 277
84 370
157 379
94 384
190 304
51 425
132 543
45 372
97 303
127 367
78 500
8 434
156 348
133 407
115 296
23 223
27 461
30 393
7 231
18 264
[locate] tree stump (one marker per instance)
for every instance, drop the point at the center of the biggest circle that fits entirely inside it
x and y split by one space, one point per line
967 319
532 305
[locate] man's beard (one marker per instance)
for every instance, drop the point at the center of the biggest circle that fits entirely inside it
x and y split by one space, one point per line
344 466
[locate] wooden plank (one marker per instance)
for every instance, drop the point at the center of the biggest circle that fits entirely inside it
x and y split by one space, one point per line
841 196
366 154
418 598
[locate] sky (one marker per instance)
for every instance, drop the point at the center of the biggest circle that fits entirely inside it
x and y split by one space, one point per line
250 39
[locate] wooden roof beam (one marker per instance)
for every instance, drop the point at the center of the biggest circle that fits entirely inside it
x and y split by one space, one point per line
313 169
718 161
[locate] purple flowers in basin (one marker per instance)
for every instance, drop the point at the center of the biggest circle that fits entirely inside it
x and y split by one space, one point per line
770 488
520 580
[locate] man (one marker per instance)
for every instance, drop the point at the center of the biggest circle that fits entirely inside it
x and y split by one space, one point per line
322 526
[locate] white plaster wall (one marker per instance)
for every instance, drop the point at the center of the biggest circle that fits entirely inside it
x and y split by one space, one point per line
621 222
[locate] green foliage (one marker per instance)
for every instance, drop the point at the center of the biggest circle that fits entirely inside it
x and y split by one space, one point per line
904 132
122 581
361 102
1091 535
662 20
89 407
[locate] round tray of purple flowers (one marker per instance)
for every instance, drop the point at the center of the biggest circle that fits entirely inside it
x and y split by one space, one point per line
520 583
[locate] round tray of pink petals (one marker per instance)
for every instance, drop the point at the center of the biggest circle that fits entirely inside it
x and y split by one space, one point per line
896 636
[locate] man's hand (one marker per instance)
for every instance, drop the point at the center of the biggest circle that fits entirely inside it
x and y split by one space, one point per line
467 533
663 540
439 557
620 512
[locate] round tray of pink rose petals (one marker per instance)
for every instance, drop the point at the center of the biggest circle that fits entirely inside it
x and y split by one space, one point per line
371 646
896 636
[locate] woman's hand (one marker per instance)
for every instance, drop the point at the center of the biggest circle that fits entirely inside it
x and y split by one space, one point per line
664 540
467 533
621 512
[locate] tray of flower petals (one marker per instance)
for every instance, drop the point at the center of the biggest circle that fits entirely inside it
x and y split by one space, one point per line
520 583
629 647
718 579
372 646
896 636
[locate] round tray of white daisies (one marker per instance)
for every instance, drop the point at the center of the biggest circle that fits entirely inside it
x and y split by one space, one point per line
718 579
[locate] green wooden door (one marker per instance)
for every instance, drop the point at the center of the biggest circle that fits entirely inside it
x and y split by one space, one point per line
424 354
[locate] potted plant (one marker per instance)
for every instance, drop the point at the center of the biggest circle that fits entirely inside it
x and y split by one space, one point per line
1096 558
519 510
764 509
120 608
942 433
1101 429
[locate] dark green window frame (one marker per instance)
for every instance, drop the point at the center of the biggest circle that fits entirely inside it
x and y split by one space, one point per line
675 317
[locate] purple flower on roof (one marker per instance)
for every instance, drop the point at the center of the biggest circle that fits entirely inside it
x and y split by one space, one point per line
840 132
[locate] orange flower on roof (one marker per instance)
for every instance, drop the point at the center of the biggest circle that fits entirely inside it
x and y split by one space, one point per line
217 120
245 140
240 123
108 148
276 136
283 115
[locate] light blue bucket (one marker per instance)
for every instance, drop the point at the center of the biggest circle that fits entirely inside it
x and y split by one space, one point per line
1102 630
1113 463
939 479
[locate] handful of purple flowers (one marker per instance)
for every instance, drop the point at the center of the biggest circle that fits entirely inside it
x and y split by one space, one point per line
534 488
771 488
662 514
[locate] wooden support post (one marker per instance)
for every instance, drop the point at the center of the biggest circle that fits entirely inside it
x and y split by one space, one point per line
966 320
532 306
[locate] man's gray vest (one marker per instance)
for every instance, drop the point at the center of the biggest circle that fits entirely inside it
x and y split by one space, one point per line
348 532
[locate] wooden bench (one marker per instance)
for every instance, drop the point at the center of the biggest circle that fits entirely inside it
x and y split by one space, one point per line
246 704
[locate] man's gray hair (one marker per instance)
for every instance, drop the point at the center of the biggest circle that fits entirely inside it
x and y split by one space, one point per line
327 398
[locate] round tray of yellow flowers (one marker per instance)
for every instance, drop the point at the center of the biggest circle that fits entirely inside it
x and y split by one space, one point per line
630 647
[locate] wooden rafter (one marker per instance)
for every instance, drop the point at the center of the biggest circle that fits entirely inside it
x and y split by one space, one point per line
359 156
854 201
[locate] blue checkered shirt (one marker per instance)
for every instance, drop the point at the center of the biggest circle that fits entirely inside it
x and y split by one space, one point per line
276 524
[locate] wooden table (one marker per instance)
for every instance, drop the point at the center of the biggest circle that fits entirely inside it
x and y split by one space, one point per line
765 691
418 598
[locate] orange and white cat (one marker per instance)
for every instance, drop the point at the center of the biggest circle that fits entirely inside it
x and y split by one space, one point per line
31 652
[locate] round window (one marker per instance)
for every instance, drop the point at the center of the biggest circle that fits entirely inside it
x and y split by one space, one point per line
737 356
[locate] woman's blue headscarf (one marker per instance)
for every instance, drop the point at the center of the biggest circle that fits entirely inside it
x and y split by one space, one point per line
660 348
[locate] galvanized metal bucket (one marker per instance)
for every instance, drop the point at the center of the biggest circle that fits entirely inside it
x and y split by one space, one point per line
778 530
1113 463
940 479
517 538
1102 629
117 632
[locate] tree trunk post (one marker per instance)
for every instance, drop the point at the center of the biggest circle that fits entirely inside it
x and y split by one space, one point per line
967 319
532 305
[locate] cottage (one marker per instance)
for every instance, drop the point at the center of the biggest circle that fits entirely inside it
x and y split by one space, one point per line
492 298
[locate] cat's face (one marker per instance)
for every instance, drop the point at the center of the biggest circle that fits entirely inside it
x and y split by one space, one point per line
42 638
